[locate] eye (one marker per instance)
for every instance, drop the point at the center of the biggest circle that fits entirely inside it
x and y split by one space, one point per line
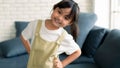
66 17
59 12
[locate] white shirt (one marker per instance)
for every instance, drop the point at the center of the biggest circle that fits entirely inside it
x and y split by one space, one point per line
68 45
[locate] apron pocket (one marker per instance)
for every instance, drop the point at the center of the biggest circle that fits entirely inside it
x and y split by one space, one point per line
42 61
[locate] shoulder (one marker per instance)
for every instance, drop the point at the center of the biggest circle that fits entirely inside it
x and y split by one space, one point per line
68 38
69 43
34 23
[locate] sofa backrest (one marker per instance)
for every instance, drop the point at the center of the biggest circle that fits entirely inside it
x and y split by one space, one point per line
108 54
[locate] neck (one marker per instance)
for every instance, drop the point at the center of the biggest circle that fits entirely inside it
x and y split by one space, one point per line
49 25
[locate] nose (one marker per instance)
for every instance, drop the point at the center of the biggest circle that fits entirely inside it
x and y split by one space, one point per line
60 17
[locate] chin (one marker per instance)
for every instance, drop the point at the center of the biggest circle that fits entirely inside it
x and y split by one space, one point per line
55 23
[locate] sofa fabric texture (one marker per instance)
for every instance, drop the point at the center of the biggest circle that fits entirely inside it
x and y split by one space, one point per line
108 55
86 22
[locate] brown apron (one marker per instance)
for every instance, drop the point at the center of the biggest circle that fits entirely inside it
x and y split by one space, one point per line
43 52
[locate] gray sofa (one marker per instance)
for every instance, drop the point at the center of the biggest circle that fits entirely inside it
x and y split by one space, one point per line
100 46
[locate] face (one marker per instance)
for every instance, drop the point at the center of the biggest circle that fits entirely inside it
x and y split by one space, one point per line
60 17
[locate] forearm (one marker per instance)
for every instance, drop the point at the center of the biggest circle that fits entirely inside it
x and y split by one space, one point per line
71 58
25 43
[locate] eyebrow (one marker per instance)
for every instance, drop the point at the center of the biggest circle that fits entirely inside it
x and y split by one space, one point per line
63 12
67 15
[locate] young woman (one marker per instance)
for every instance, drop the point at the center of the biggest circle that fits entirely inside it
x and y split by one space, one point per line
49 38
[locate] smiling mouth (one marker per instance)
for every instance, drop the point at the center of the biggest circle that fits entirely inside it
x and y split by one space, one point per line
57 22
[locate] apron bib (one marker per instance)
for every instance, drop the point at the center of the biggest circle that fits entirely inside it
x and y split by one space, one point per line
43 52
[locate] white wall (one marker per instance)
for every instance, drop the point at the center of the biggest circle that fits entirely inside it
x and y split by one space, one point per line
102 10
27 10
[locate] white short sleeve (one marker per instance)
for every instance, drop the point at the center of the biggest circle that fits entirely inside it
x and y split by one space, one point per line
68 45
28 32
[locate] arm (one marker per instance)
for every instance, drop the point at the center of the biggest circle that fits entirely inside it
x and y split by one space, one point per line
70 44
68 60
26 44
71 58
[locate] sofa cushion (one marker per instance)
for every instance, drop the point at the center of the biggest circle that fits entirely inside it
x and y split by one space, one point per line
86 22
81 59
20 25
108 54
15 62
12 47
83 65
93 41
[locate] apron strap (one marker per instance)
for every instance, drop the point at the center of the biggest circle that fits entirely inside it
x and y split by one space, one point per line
38 27
59 40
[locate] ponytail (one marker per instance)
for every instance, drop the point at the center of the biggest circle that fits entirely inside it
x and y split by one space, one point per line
74 31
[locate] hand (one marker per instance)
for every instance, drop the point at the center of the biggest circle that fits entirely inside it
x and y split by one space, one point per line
57 63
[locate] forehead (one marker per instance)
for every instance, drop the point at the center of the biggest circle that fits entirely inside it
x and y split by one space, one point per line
66 11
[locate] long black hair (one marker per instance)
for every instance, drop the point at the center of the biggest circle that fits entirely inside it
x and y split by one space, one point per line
74 14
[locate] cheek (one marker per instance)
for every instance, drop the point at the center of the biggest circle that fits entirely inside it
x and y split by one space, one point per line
66 23
53 14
